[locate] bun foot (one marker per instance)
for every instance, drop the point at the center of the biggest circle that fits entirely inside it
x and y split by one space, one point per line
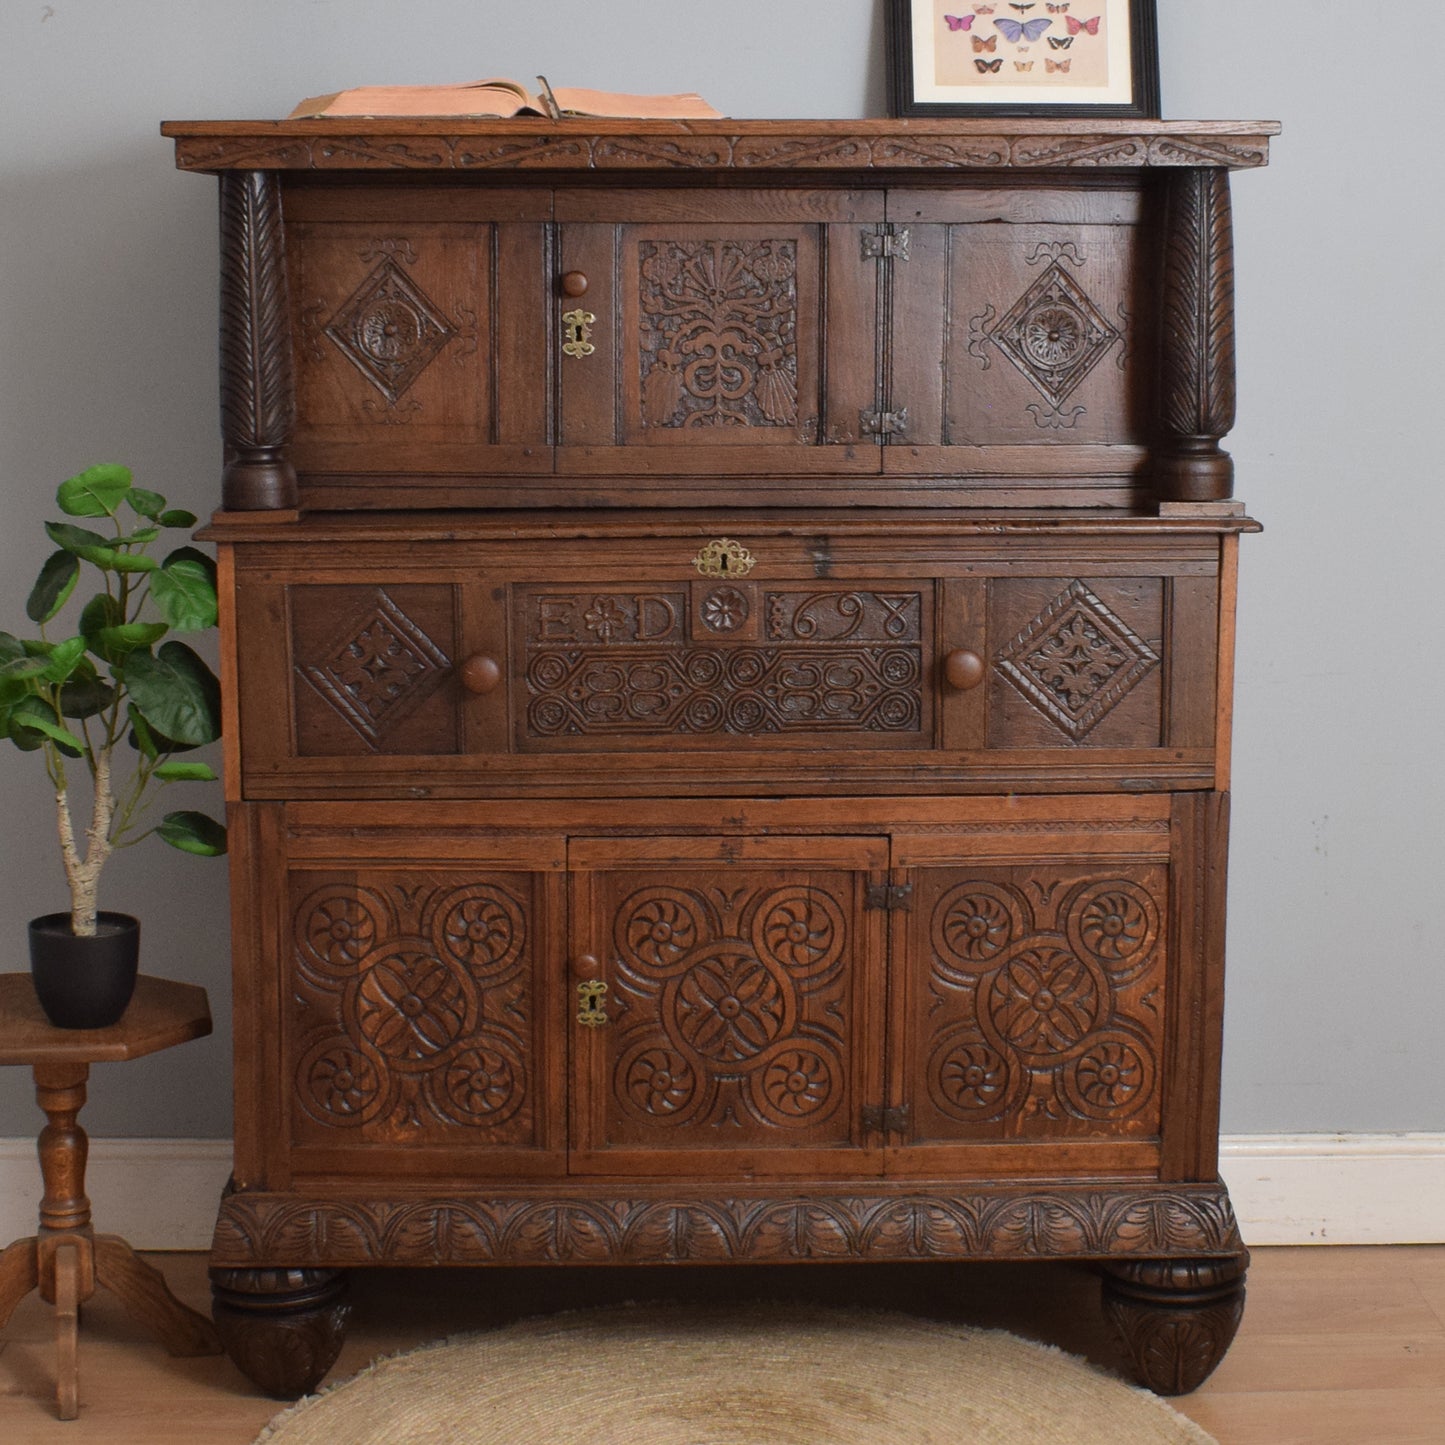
1175 1317
283 1328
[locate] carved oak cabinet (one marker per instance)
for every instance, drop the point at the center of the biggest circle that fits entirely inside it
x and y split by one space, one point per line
728 648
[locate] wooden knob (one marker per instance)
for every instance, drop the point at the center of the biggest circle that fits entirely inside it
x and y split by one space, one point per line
963 669
480 674
574 283
587 965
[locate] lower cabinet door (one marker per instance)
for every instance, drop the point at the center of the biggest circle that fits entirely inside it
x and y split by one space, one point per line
1030 993
417 1016
730 1005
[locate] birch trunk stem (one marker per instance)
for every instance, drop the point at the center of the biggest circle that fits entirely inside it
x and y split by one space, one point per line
83 874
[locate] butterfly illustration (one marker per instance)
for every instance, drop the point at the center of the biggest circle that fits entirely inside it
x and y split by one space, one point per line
1022 9
985 9
959 22
979 43
1052 65
984 66
1090 27
1027 30
1023 65
1060 42
1059 9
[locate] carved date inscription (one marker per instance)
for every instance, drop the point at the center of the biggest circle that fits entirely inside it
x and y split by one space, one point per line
734 661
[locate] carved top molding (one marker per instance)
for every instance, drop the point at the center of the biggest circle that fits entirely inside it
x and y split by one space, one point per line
456 144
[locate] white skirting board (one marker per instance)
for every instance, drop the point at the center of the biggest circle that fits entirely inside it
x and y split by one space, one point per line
1287 1188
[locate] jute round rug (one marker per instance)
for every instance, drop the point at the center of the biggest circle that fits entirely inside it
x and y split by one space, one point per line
673 1375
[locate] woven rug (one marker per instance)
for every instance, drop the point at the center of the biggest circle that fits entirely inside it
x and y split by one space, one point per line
759 1375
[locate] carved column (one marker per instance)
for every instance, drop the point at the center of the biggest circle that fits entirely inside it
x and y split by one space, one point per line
258 406
283 1328
1196 404
1175 1317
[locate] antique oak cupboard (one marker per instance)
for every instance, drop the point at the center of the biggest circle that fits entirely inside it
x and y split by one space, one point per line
728 636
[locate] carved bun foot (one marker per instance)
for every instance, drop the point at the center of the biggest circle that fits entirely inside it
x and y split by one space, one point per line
283 1328
1175 1317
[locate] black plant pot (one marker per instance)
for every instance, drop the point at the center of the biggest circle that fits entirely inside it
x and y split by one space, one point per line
84 983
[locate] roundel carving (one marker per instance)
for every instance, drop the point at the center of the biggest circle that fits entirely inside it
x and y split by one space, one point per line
479 926
658 1084
971 1079
1115 922
410 1004
730 1006
338 1084
336 927
973 924
1111 1078
481 1085
657 927
1044 1001
800 928
798 1084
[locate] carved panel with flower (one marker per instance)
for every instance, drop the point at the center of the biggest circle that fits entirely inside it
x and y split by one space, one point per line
1042 1014
412 1008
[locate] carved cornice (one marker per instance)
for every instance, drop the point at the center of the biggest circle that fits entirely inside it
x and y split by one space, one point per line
1006 1223
736 145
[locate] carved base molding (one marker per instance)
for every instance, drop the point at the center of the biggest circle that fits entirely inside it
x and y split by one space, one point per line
283 1328
579 1227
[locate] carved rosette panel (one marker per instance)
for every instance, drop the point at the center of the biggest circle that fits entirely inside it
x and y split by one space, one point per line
413 1009
1076 661
1036 1222
1044 1010
374 670
1054 335
735 661
734 1006
389 329
718 326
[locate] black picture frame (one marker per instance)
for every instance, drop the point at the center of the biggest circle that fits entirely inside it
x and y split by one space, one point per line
1142 101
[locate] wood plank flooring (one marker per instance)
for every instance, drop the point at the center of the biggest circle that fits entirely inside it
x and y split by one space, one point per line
1338 1344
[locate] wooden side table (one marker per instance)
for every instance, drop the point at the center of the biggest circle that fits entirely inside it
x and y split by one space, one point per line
65 1259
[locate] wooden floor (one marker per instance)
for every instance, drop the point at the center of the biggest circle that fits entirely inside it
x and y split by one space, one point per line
1339 1346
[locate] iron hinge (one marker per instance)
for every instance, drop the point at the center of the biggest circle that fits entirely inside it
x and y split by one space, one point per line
880 1120
889 896
890 244
883 423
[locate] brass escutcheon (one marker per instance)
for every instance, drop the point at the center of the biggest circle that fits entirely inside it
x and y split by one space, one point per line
593 1008
578 324
724 558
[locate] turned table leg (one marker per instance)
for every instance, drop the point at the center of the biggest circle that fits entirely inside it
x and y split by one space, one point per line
283 1328
1175 1317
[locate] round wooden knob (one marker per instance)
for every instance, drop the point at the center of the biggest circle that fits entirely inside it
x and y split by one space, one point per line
963 669
480 674
587 965
574 283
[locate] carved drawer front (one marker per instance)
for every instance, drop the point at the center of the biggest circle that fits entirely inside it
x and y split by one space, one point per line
1086 663
419 1035
1033 304
1031 997
419 324
708 317
723 665
743 1005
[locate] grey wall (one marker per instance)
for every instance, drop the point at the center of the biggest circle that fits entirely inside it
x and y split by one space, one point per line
107 351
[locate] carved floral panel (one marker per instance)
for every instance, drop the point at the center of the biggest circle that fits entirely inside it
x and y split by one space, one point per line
1040 1004
733 996
412 1011
722 664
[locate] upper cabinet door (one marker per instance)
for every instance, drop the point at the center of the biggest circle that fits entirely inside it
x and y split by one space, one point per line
1021 328
419 319
716 332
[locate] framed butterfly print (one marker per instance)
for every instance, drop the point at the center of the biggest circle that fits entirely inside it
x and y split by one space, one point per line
1024 57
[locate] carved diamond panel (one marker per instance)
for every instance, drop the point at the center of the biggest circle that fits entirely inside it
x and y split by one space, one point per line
1054 334
1076 660
412 1006
390 330
378 668
1044 1006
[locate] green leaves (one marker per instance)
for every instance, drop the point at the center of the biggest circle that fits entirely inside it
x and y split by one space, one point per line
193 833
185 773
184 590
32 720
96 492
175 693
53 587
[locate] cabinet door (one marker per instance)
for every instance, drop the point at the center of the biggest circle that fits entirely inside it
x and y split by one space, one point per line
1032 987
729 333
420 1032
419 319
743 1005
1021 330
